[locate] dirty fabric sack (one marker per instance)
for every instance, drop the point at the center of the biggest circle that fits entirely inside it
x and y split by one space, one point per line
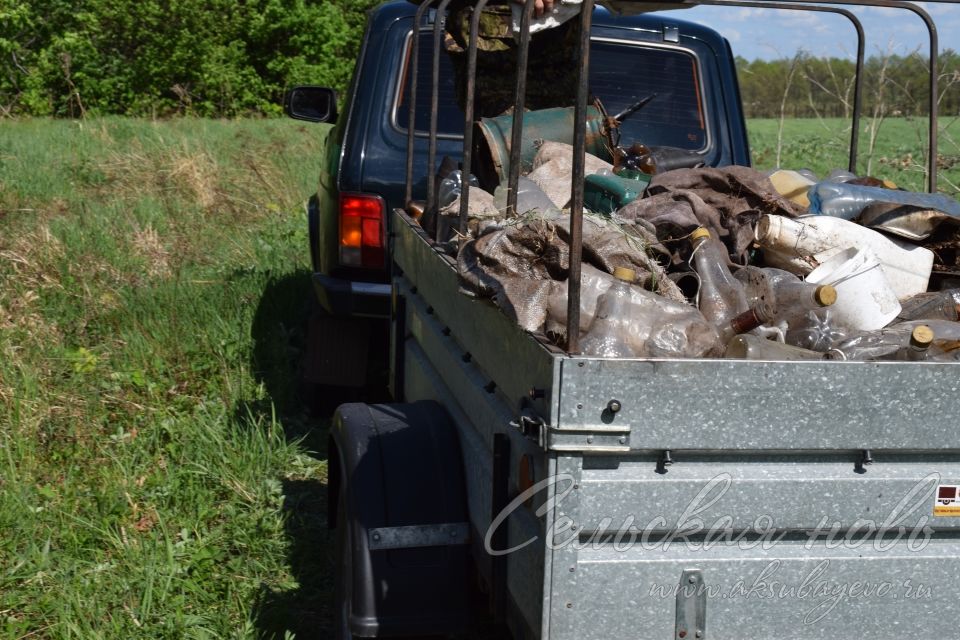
517 264
727 201
480 207
553 170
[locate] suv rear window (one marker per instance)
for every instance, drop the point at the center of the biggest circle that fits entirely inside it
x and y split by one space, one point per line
675 117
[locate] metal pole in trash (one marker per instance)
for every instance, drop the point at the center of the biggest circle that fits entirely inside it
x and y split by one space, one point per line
434 106
412 105
579 168
520 95
468 110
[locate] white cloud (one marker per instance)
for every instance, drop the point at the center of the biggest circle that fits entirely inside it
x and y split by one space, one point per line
770 33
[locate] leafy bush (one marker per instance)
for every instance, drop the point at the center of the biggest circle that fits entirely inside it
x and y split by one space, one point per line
160 57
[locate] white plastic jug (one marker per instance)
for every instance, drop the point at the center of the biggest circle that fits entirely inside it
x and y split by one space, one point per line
800 245
865 299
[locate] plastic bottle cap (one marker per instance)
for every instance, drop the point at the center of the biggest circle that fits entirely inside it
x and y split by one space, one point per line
625 274
825 295
922 336
698 233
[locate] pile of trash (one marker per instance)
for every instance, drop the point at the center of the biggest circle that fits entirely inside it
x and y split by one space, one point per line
729 262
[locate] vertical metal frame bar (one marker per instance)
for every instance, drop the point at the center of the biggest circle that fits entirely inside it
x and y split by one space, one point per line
579 166
412 106
468 113
861 45
520 105
434 107
934 62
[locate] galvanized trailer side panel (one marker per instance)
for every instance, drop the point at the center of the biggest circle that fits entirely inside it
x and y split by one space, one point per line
730 405
767 503
786 560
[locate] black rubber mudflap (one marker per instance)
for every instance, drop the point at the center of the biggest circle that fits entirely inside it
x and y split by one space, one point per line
402 467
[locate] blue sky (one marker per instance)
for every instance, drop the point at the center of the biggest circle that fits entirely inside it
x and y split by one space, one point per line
770 33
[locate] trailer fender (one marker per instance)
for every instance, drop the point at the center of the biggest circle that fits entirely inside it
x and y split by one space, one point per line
398 472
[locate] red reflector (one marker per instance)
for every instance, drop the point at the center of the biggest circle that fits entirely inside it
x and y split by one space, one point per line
361 227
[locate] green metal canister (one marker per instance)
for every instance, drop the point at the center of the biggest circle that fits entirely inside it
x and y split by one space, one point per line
492 137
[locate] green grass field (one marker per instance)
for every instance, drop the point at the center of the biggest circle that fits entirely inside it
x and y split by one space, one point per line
822 145
159 477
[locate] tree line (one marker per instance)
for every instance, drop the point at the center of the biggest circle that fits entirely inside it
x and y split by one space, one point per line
69 58
806 86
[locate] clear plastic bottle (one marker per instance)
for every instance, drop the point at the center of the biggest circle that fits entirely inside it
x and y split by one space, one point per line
845 200
451 187
607 337
918 348
788 297
748 347
816 331
936 305
722 296
661 328
530 197
898 342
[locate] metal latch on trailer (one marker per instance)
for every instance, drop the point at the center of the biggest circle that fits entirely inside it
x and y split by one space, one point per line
591 438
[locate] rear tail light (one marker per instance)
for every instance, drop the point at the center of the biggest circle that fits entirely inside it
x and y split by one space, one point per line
362 230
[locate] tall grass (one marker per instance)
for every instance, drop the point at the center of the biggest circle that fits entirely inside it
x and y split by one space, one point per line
823 144
152 276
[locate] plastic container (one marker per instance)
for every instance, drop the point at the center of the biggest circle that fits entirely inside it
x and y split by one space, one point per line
792 185
751 319
918 348
748 347
721 296
800 245
844 200
608 192
865 299
593 284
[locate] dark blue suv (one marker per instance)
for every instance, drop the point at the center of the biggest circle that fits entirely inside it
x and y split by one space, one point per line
697 108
